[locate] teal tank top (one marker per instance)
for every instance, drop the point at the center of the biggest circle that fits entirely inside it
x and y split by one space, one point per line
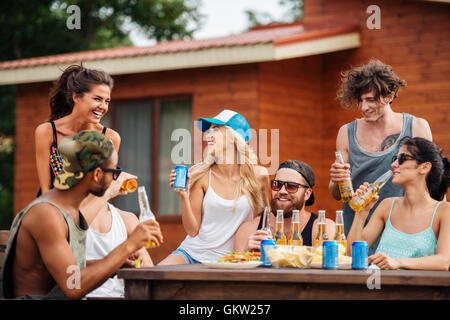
368 166
397 244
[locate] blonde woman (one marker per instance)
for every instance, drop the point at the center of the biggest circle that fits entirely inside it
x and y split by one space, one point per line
224 191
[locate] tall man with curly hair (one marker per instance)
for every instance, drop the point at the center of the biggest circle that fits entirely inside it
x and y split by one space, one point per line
368 144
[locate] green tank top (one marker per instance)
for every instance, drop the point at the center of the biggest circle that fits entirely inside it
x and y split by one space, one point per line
397 244
77 242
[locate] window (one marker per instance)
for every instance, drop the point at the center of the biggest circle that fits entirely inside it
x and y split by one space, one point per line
146 128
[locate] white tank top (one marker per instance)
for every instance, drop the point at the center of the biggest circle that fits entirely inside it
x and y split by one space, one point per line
218 227
99 245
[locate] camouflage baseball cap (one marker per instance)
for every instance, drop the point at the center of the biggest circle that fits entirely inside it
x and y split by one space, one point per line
81 153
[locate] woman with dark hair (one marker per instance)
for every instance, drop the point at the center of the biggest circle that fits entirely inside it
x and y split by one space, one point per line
78 100
415 228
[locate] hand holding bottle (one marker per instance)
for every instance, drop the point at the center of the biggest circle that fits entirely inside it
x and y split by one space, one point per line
360 192
254 240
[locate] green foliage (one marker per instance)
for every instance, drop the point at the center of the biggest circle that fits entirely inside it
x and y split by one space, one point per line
293 12
6 187
39 28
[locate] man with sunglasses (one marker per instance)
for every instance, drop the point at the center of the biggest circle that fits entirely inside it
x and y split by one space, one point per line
111 227
291 190
368 144
45 256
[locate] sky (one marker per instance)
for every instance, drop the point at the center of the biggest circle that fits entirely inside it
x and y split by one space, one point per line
223 17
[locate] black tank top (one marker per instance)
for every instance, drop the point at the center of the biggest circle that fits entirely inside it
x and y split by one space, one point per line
55 160
306 232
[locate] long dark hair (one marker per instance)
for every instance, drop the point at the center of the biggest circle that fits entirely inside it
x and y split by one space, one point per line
423 150
75 79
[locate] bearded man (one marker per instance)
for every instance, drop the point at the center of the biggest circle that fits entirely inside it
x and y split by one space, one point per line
291 190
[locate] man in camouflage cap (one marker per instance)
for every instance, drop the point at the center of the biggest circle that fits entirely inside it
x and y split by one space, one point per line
45 256
81 153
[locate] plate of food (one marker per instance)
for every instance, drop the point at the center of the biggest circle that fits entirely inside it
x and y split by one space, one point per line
236 260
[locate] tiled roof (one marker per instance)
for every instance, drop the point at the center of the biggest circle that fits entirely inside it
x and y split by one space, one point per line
278 34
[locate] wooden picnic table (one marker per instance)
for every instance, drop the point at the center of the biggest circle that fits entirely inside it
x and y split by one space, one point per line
198 282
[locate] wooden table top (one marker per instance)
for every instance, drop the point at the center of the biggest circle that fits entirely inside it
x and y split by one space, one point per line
261 274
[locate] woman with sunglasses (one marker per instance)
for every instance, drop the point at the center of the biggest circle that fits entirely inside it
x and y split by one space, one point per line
223 191
415 228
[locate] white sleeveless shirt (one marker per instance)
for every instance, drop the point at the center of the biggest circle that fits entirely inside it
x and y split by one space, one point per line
99 245
218 227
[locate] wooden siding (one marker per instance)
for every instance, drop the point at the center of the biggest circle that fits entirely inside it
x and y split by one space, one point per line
414 39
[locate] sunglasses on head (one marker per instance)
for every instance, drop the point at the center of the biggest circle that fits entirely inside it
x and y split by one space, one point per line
402 157
290 187
115 172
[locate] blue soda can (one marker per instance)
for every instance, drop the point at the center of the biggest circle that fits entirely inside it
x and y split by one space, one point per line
181 177
360 255
330 254
265 260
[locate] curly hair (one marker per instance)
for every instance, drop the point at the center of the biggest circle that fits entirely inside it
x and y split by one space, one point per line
374 76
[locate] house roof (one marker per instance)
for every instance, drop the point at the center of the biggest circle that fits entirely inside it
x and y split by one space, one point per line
267 43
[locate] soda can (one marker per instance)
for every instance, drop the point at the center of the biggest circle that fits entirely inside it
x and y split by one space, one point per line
265 260
181 177
360 255
330 254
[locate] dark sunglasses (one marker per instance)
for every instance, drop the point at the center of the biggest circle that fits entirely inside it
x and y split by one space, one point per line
115 172
291 187
402 157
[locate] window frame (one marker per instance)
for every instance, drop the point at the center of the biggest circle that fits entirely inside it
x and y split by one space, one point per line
169 217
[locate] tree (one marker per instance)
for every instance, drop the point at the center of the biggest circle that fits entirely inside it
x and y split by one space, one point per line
40 28
293 12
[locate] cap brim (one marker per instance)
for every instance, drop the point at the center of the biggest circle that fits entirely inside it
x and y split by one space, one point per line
66 180
204 123
310 201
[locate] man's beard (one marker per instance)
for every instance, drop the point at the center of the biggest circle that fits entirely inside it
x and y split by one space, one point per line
295 205
102 190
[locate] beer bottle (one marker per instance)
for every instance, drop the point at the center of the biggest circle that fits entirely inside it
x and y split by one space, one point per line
357 203
145 212
129 185
265 222
321 235
339 235
295 237
345 187
280 237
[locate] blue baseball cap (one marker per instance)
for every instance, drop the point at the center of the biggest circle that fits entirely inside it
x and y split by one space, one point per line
227 118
